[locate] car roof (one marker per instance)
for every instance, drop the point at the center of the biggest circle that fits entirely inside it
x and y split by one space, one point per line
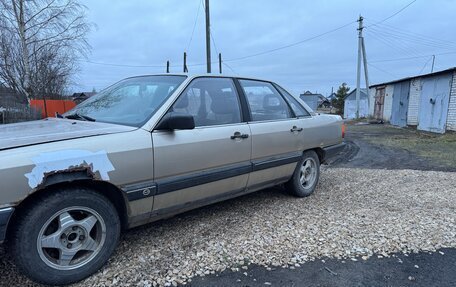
192 76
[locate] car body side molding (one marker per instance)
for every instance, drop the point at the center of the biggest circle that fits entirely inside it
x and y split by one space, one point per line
146 189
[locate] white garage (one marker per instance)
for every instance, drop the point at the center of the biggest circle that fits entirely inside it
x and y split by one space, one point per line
350 105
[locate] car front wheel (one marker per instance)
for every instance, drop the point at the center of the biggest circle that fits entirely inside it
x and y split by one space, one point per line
306 175
65 236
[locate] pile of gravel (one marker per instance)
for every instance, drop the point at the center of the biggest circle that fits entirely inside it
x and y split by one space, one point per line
355 213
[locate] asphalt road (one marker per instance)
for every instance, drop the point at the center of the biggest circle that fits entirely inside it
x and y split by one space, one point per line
421 269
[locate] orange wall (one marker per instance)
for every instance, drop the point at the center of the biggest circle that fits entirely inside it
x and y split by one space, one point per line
52 106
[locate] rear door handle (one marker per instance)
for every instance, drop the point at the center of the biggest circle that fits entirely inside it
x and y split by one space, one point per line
238 135
295 129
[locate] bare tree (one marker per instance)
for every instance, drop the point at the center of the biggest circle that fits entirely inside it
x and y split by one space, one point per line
40 43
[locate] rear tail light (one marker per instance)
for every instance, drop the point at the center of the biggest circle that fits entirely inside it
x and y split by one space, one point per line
343 130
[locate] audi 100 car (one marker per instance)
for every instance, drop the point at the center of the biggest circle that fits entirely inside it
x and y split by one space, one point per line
143 149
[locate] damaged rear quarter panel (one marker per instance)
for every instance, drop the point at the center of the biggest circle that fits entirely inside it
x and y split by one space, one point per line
121 158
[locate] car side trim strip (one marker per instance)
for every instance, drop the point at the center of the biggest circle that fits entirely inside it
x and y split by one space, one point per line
181 182
140 190
270 163
147 189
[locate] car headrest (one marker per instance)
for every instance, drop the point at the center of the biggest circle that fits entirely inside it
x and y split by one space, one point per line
224 103
272 103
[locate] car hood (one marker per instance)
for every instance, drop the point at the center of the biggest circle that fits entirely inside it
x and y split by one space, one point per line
53 129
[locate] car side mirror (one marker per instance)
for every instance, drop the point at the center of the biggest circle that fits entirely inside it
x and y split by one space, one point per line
176 121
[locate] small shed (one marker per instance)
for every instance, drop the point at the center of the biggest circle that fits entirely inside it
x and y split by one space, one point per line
427 101
314 101
350 104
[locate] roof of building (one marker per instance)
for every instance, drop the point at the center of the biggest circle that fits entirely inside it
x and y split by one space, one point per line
362 92
309 93
89 94
413 77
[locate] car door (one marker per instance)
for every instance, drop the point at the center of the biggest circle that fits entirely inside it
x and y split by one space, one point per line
276 144
212 161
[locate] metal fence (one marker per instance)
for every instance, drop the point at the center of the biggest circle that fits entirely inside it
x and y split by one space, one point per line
13 112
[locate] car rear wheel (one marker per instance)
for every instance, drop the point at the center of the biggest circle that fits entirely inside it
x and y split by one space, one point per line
65 236
306 175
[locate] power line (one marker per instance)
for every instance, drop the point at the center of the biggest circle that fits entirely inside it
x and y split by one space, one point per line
410 39
289 45
391 16
410 58
381 70
425 64
413 34
388 42
233 59
409 49
194 26
213 43
229 67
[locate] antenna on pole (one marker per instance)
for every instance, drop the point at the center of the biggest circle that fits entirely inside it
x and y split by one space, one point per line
433 60
185 63
167 67
220 63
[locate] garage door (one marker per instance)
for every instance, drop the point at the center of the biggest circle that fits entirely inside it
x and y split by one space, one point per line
435 95
400 104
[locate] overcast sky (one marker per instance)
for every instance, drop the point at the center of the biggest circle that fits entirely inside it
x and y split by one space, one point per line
147 33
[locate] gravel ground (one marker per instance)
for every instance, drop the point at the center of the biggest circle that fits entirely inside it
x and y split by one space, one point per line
355 213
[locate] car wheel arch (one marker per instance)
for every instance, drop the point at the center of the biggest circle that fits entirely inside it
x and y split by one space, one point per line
320 153
75 179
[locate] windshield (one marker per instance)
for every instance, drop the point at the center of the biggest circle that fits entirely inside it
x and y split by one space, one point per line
129 102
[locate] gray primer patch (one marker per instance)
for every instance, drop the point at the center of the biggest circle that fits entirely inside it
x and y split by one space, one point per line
50 162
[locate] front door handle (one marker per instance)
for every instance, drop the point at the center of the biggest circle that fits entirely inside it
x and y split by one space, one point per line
238 135
295 129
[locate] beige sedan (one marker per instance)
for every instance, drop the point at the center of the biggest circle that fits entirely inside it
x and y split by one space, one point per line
143 149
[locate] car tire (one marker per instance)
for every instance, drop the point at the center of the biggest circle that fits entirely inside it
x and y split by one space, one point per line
306 175
65 236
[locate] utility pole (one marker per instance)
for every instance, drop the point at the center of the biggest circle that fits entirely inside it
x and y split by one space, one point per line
433 60
366 74
358 71
208 38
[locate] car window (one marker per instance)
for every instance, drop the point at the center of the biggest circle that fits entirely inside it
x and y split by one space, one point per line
131 101
264 101
211 101
298 110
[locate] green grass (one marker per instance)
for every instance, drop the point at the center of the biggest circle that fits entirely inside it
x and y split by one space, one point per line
437 147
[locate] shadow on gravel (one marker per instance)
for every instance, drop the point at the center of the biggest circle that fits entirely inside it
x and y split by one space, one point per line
420 269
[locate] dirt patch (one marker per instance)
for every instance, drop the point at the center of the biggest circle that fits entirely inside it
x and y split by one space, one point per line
387 147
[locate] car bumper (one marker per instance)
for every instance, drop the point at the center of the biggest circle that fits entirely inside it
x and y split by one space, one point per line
5 215
332 151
